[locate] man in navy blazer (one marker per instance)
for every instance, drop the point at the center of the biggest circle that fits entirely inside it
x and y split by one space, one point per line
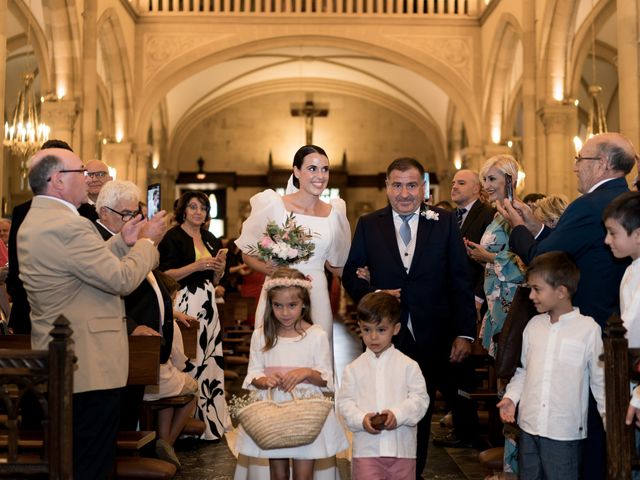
417 255
601 166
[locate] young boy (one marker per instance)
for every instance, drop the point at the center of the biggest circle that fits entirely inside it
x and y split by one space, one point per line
382 397
560 360
622 220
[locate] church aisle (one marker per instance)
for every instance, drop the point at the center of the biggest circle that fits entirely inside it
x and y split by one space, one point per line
213 461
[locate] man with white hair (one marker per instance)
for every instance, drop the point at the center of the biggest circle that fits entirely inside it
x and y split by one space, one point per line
67 269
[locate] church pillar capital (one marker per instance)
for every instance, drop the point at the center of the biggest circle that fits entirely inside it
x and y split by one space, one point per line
554 172
61 116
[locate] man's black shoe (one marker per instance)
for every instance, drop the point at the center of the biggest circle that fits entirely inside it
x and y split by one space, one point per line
451 441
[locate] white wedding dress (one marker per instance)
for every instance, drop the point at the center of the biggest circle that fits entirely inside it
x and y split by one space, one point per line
332 239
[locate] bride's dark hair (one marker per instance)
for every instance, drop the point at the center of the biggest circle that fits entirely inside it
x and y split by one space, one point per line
298 158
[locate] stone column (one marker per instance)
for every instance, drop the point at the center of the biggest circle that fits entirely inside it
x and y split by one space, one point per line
141 161
118 156
3 72
627 18
89 80
472 157
529 120
61 117
554 173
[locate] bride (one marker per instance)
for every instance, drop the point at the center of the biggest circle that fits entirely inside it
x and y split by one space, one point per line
331 236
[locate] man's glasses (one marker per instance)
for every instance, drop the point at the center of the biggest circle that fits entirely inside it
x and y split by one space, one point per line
578 158
77 170
126 216
99 175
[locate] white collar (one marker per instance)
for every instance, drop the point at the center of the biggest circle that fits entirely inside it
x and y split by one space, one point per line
71 206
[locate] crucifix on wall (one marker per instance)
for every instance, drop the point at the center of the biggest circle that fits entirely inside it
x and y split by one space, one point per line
309 110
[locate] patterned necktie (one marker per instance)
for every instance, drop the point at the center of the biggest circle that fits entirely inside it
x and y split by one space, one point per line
405 229
460 215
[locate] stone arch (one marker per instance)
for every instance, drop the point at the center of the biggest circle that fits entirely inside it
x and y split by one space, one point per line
421 119
434 70
600 13
503 50
556 46
114 54
63 32
38 40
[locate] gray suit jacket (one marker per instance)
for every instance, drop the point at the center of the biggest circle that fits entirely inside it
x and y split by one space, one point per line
68 269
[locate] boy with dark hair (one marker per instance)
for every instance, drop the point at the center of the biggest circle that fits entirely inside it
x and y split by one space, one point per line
560 361
622 221
383 396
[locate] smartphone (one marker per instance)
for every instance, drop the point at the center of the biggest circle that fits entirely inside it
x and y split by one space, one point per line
427 193
153 199
508 187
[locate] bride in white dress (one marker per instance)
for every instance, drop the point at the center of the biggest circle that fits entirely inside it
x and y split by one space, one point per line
332 238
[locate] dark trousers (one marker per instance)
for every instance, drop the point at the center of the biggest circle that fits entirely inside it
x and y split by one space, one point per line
595 448
432 367
546 459
455 386
96 417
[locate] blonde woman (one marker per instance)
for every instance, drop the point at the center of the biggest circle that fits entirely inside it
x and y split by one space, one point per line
549 209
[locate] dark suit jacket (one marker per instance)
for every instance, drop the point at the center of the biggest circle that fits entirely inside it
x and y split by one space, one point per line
473 227
580 232
437 289
19 317
141 307
177 250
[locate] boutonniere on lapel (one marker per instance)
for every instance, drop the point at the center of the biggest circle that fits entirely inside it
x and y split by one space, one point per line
428 213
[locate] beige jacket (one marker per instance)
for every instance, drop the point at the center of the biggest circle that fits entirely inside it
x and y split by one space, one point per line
68 269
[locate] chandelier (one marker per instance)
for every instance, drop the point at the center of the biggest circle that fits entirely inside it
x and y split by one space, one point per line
23 131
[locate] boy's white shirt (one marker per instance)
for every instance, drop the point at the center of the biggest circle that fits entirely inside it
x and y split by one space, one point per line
555 357
630 312
391 381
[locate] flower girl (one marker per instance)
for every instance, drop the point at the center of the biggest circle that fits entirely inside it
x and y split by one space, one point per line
290 354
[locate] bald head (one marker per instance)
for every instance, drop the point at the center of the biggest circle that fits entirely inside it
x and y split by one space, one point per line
465 187
58 173
98 173
604 156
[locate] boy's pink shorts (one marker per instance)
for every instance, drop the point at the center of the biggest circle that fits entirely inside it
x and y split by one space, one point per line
383 468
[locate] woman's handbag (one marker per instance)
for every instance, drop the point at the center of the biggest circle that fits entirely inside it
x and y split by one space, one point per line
287 424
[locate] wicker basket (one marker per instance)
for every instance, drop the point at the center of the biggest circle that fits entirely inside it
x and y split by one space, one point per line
287 424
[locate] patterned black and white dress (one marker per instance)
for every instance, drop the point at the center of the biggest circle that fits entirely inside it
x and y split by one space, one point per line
197 298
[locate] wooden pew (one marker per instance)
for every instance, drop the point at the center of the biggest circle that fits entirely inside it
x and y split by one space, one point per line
620 366
48 374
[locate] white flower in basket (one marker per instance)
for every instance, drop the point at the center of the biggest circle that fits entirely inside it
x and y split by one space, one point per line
274 425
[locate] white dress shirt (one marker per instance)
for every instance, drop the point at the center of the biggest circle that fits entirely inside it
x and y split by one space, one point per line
559 362
393 382
630 303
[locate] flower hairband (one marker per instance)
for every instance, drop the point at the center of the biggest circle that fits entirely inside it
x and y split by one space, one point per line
272 283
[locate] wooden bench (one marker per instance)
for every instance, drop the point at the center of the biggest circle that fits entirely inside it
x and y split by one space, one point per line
47 374
620 367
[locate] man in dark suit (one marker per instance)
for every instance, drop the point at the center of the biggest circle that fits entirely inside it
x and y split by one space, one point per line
472 216
417 255
601 166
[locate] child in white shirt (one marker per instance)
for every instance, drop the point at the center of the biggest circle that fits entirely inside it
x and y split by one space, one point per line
383 396
560 361
622 221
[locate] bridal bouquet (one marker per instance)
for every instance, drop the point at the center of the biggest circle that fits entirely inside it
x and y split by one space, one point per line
285 244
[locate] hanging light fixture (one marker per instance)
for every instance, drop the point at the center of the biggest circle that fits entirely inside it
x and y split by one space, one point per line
23 131
597 120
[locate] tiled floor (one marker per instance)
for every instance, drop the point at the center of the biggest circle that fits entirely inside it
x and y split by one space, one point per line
214 461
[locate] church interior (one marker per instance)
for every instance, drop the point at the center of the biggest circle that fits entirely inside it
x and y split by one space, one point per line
217 96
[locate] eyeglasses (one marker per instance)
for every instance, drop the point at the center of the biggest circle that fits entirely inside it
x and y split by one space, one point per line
77 170
97 174
126 216
578 158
